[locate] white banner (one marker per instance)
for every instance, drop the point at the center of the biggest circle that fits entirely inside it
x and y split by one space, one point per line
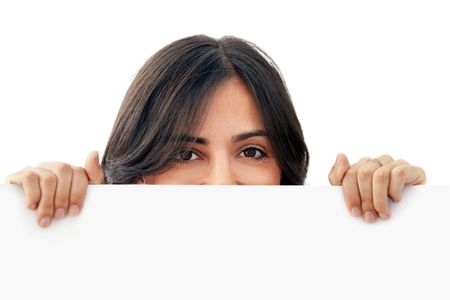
225 242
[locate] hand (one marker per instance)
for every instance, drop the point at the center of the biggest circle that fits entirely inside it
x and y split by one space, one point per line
368 183
55 188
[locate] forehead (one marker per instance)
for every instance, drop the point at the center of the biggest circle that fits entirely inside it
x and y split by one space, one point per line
232 109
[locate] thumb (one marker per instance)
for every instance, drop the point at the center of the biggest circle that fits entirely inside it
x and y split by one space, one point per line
339 169
94 169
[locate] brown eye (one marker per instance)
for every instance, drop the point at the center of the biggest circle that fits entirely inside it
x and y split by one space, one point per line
252 152
185 157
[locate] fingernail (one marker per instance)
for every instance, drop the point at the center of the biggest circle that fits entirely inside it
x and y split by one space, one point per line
356 212
369 217
337 159
74 210
59 214
384 216
32 206
44 222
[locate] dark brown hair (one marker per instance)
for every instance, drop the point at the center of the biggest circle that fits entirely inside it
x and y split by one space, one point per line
168 98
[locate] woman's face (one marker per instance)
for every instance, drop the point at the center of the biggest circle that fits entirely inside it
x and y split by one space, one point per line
224 159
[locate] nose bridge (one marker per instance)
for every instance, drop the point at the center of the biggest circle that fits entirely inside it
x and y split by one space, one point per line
220 171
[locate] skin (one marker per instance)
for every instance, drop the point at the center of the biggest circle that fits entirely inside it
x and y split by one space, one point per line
232 112
57 189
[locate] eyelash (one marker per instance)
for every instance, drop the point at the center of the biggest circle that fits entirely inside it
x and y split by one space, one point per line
263 156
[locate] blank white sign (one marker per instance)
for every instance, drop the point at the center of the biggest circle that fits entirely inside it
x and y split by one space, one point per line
226 242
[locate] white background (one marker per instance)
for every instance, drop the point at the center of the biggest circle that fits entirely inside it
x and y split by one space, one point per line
366 77
225 242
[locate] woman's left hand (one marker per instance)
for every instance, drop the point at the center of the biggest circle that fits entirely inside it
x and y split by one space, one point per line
368 183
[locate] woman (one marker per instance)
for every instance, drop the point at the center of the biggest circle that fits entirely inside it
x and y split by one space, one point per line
207 111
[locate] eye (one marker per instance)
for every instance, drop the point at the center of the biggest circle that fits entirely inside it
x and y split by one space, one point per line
252 153
185 157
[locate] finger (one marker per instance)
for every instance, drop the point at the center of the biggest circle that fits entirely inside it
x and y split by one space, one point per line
385 159
350 189
364 178
13 178
415 175
380 184
64 173
78 191
17 177
338 170
404 175
93 168
29 180
47 182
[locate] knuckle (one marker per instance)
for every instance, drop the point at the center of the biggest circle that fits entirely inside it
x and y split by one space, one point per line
352 201
386 156
33 197
367 206
381 175
403 162
77 196
365 173
352 172
79 171
81 175
46 208
49 180
30 175
63 169
61 202
77 199
398 172
367 201
364 159
351 196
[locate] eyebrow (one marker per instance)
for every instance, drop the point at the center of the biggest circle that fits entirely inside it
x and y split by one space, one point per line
235 139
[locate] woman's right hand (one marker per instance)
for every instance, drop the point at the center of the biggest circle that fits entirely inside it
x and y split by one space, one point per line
57 189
